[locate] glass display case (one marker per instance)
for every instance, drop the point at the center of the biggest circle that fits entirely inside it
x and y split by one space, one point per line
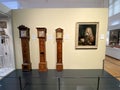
114 39
6 63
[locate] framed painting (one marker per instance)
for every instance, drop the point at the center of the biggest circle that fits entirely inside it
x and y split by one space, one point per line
3 24
86 35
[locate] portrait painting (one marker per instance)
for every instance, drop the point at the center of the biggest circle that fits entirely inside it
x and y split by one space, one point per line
86 35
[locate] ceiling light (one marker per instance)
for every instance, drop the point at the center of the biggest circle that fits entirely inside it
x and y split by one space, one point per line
11 4
115 23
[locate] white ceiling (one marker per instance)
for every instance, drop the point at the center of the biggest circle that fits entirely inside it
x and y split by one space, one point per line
59 3
21 4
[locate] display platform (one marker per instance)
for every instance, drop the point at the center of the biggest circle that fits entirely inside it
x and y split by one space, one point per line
91 79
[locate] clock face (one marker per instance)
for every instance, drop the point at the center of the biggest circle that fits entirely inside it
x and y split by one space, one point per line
23 34
41 34
59 35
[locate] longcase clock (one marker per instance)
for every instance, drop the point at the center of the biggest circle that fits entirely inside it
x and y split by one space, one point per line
59 39
42 48
25 37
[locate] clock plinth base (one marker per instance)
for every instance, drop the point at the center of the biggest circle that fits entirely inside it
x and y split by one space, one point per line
26 67
43 67
59 67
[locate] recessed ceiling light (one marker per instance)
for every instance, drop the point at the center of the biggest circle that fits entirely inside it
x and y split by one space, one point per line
11 4
115 23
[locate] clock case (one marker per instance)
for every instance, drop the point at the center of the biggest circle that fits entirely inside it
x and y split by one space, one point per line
42 49
26 66
59 64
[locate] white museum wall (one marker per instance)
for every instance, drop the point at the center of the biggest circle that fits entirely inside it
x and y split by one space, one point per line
64 18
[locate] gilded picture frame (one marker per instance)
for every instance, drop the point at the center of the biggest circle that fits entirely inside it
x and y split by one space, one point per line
86 36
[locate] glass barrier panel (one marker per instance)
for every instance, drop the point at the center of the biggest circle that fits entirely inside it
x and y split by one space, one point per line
37 83
11 83
109 83
60 83
81 83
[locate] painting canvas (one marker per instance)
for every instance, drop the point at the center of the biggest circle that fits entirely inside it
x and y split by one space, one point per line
86 35
114 39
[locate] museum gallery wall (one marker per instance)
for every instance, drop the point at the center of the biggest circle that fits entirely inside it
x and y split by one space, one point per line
51 19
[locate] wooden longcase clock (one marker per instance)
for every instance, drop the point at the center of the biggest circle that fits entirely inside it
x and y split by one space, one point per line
25 37
59 39
42 38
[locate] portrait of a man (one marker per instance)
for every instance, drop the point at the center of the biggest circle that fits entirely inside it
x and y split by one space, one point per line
86 35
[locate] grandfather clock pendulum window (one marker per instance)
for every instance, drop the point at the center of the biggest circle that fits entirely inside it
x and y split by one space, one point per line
42 38
25 37
59 39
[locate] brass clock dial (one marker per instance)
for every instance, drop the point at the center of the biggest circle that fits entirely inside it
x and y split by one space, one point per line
23 33
59 35
41 34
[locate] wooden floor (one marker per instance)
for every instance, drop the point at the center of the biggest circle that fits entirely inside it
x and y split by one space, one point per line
112 66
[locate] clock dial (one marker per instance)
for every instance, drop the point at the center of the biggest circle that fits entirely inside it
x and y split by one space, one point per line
41 34
59 35
23 34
